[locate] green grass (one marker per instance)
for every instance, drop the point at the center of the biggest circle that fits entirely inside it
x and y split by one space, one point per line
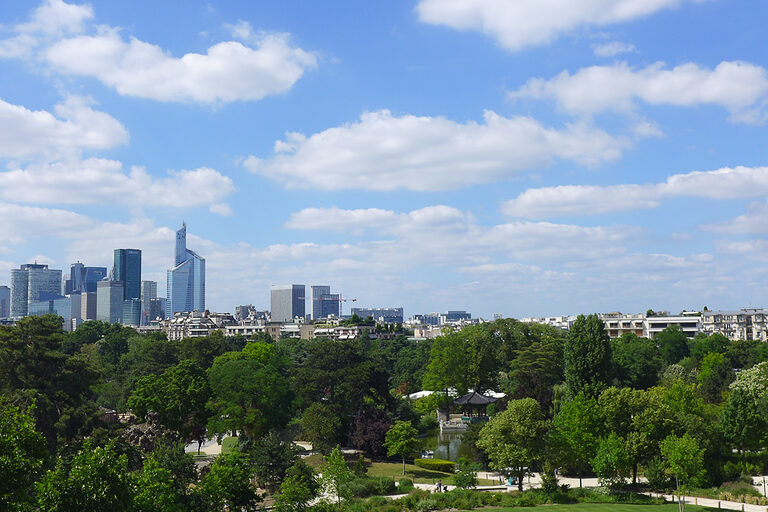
415 473
612 507
228 444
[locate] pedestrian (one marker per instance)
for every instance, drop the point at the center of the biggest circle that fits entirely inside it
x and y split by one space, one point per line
439 486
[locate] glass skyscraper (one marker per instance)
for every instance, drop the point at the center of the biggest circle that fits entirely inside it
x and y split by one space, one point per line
186 281
128 270
83 279
324 303
31 283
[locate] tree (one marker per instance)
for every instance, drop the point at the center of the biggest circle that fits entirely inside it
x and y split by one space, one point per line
466 474
514 439
577 431
714 376
535 370
684 461
320 426
742 422
228 483
96 479
336 475
611 463
637 361
294 496
271 458
673 344
587 355
401 440
23 456
753 381
369 430
155 490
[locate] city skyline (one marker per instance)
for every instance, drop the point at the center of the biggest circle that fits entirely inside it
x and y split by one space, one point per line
425 154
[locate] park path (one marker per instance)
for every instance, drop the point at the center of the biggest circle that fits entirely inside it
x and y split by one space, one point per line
708 502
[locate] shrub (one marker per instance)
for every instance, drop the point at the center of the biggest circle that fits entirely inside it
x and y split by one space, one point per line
371 486
445 466
404 485
657 477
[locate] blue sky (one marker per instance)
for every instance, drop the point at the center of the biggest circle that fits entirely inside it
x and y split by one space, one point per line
522 157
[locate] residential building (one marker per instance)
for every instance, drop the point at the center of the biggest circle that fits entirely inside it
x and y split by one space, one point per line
128 270
324 303
32 283
195 324
618 324
109 301
381 315
689 323
250 312
744 324
186 280
287 302
5 302
83 279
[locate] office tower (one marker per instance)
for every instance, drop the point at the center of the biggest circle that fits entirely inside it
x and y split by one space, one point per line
83 279
324 303
5 302
88 305
32 283
386 315
131 312
148 291
186 280
287 302
109 301
157 309
128 270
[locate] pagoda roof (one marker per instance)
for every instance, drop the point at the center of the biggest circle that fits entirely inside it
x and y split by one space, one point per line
474 398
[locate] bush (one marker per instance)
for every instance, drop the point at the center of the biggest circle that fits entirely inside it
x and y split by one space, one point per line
404 485
371 486
657 477
445 466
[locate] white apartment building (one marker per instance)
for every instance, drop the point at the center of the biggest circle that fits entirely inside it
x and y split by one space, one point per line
745 324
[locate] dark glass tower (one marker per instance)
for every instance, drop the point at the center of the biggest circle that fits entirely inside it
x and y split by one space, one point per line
128 270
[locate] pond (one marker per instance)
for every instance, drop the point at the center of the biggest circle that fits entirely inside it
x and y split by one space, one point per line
446 445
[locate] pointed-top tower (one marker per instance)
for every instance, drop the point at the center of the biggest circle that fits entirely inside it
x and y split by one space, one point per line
186 280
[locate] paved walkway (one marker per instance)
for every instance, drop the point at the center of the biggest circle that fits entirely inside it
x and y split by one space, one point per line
707 502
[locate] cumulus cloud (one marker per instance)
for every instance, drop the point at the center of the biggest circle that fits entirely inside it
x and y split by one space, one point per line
383 151
740 87
726 183
755 221
23 222
102 181
522 23
76 126
612 48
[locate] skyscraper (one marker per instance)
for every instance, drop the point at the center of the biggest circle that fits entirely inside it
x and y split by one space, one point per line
287 302
186 280
109 301
148 293
31 283
5 302
128 270
324 303
83 279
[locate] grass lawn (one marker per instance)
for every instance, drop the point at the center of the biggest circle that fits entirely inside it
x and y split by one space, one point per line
415 473
227 444
611 507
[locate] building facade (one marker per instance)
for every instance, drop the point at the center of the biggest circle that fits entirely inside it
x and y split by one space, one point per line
5 302
109 301
287 302
83 279
382 315
324 303
186 280
32 283
128 270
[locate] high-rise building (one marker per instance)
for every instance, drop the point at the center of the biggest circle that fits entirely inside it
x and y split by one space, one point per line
386 315
128 270
324 303
287 302
156 309
109 301
83 279
88 305
32 283
148 292
5 302
132 312
186 280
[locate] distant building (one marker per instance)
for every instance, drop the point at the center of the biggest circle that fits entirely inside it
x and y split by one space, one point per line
689 324
5 302
32 283
83 279
88 306
148 292
128 270
745 324
382 315
186 280
287 302
248 312
324 303
109 301
132 312
157 309
196 324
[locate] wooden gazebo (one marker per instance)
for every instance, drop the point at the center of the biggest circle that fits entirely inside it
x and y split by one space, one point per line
473 406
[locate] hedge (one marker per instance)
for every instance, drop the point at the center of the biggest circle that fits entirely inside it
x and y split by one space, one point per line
445 466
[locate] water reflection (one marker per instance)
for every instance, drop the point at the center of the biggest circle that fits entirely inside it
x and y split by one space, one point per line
446 445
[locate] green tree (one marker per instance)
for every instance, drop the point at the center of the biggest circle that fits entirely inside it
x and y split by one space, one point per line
23 456
336 475
515 438
576 433
466 474
684 461
320 425
228 483
637 361
587 355
673 344
294 496
401 440
714 376
272 458
96 479
155 490
535 370
612 463
742 422
701 345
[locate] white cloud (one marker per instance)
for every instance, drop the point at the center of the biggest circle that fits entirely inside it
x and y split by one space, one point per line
102 181
23 222
51 20
26 133
384 221
612 48
726 183
228 71
222 209
521 23
755 221
740 87
383 151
